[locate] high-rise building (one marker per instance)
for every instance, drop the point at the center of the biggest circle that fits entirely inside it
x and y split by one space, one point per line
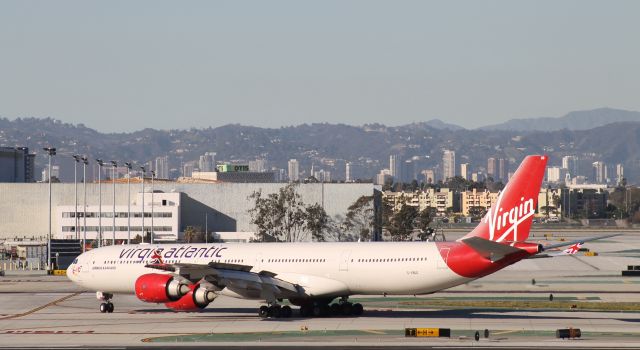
162 167
258 165
448 164
429 176
348 176
55 173
187 169
599 172
464 171
492 168
395 167
502 170
322 175
16 165
383 177
497 169
556 174
409 171
294 170
207 162
619 173
477 176
571 164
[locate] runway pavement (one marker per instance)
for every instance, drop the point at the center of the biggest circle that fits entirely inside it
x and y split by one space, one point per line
49 311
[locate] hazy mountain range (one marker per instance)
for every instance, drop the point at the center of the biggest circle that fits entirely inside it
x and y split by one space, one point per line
579 120
329 146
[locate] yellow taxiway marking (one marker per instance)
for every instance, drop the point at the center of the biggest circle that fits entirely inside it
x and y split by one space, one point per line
372 331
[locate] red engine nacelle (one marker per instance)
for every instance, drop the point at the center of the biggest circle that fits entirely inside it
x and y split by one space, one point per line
159 288
196 299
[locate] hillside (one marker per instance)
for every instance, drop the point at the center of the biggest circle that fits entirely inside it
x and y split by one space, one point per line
578 120
327 146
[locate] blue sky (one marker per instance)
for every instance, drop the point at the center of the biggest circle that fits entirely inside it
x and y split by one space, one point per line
127 65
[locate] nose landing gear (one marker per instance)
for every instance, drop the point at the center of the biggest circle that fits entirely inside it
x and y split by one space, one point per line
107 305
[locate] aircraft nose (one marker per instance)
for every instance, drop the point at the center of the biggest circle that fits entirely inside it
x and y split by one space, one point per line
70 274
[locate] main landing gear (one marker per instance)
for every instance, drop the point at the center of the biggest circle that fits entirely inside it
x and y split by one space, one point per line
107 305
342 308
313 308
275 311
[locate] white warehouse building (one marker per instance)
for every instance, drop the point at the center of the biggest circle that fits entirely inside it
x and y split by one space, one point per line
165 226
223 207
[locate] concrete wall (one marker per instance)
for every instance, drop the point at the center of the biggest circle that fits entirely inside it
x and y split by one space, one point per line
24 206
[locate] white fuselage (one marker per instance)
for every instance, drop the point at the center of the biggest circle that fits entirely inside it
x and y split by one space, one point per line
330 269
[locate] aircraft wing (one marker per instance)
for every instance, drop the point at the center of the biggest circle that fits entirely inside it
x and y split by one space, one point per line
235 277
573 247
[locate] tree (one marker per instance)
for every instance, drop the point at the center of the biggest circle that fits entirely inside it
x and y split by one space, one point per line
401 224
316 221
425 217
264 215
360 217
337 230
284 217
477 213
193 234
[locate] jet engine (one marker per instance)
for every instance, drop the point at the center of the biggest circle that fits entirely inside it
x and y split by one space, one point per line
159 288
196 299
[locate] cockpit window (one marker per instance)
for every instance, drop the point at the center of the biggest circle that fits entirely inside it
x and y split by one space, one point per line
75 261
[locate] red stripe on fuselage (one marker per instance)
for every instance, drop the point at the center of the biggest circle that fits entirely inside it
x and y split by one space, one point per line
466 262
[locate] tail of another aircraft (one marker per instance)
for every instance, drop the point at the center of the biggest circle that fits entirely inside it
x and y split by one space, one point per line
509 219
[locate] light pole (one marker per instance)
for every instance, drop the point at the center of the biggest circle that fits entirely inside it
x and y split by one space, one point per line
75 188
153 175
114 164
128 165
85 161
143 173
100 164
51 152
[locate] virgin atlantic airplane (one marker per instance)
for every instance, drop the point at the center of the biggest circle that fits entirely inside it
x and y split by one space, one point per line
187 277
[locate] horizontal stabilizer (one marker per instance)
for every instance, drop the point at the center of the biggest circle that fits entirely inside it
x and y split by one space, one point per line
490 249
583 240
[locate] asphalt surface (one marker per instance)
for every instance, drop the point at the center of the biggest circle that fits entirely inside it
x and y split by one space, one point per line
48 311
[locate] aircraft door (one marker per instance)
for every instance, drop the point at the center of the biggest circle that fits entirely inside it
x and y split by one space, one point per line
344 260
258 264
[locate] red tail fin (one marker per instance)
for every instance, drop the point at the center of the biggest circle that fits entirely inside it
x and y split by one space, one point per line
509 219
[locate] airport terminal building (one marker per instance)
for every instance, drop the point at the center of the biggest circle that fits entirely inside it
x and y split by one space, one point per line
222 207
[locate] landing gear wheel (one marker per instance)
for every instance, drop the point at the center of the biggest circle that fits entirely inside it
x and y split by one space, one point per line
110 307
286 311
274 311
104 308
317 310
306 310
357 309
263 312
347 309
335 310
